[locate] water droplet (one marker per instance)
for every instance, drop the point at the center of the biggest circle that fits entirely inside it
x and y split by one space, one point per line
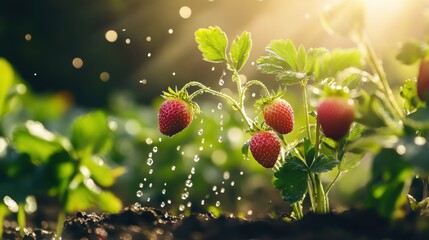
155 149
182 207
77 63
250 212
148 199
401 150
173 168
165 184
169 201
150 185
163 191
170 31
222 190
241 173
238 198
200 132
141 185
139 193
219 105
226 175
173 73
221 122
28 37
220 139
193 170
214 188
189 204
150 171
188 183
185 195
213 68
201 148
178 148
127 41
189 176
221 82
162 204
160 139
196 158
253 94
150 154
144 179
202 202
217 203
232 184
148 38
185 12
104 76
149 54
144 81
149 161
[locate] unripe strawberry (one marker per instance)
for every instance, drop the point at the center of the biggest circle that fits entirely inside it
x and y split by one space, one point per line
423 81
174 116
335 115
265 148
278 114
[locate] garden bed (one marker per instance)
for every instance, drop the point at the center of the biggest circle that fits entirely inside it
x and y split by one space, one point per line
150 223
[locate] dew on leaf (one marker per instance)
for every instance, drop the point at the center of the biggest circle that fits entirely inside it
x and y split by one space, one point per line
202 202
178 148
150 171
162 205
220 139
149 54
127 41
163 191
238 198
189 204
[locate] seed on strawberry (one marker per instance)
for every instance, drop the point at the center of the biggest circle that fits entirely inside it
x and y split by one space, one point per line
174 116
265 148
423 81
335 115
278 114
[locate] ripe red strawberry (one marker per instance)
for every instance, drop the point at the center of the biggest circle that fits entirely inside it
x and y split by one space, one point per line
278 114
176 113
335 115
423 81
265 148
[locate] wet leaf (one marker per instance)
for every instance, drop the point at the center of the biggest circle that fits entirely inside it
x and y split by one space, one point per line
212 42
291 179
240 50
409 93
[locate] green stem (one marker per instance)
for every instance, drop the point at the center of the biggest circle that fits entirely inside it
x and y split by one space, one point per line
60 224
255 82
333 181
322 203
21 219
312 192
378 68
304 98
235 104
297 209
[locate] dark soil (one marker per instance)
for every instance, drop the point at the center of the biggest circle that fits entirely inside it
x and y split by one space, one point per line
149 223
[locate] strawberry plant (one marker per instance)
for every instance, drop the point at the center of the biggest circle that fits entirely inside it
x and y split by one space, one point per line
349 109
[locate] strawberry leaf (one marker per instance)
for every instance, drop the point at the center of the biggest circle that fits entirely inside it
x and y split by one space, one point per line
323 163
409 93
350 160
412 51
285 51
240 50
291 179
212 42
301 59
332 63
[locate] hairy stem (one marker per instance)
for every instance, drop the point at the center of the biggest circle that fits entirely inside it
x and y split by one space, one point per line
378 68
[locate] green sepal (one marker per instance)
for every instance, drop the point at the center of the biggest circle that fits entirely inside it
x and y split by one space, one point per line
181 95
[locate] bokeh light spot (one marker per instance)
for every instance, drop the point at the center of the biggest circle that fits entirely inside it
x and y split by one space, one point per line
104 76
28 37
185 12
111 36
77 63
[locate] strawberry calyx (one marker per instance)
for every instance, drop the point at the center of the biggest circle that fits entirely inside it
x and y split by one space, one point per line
181 95
267 100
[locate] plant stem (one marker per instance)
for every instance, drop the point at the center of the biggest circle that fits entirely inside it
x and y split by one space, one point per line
333 181
255 82
21 219
378 68
322 203
297 209
60 223
235 104
312 192
304 99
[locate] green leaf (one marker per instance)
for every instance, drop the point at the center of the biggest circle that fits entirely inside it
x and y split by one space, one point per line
245 149
91 134
271 65
6 81
291 179
290 78
309 152
108 202
390 173
332 63
212 42
313 54
323 163
350 160
34 140
412 51
284 50
301 59
240 50
100 172
409 93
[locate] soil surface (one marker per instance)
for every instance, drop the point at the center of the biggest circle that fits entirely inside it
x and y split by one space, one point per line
149 223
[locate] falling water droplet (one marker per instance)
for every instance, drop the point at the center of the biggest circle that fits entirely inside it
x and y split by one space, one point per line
188 183
178 148
185 195
141 185
173 168
163 191
219 105
220 139
200 132
196 158
222 190
150 171
149 161
232 184
182 207
214 188
202 202
221 82
217 203
155 149
139 193
162 204
238 198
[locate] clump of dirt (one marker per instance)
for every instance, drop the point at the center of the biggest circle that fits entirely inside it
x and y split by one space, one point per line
141 223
